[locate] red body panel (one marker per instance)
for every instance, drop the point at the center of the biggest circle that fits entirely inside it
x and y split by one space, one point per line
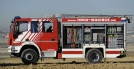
112 52
72 52
10 38
59 55
81 52
46 38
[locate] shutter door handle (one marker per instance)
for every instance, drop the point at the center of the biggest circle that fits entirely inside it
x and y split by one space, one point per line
52 39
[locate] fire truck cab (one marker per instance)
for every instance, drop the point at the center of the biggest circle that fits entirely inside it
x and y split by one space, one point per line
93 37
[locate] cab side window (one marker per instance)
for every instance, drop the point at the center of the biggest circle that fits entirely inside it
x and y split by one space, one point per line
47 26
34 26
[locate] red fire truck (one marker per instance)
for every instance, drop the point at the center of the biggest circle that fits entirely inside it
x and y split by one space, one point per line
62 36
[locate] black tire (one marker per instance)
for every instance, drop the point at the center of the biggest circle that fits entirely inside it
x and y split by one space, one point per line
29 56
94 56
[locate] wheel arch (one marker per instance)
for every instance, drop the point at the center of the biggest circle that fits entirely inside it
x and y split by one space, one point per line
101 49
31 45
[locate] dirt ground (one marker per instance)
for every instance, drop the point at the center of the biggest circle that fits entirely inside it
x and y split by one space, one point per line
3 40
48 63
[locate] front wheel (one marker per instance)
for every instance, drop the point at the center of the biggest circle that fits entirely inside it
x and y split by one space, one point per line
29 56
94 56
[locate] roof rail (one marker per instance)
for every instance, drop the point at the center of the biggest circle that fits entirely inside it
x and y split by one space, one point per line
87 15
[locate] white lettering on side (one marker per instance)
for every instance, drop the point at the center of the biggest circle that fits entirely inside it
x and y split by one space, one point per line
95 19
82 19
113 19
92 19
102 19
106 20
99 19
71 20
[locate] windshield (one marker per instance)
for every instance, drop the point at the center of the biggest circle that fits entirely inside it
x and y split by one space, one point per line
21 26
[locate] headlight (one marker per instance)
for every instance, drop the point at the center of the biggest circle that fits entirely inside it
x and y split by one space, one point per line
13 48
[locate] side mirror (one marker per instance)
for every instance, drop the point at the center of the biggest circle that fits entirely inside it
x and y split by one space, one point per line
129 21
12 21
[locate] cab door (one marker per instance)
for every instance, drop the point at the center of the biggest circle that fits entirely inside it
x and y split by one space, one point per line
20 30
49 36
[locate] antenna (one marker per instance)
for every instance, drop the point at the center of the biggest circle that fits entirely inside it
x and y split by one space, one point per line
31 13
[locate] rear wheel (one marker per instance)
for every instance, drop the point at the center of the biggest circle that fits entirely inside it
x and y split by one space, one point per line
94 56
29 56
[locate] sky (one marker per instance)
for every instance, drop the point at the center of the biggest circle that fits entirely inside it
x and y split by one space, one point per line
36 8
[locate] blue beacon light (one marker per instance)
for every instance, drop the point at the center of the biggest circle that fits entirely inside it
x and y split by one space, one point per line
123 19
17 17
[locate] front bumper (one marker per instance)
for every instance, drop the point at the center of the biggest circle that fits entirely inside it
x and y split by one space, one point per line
14 49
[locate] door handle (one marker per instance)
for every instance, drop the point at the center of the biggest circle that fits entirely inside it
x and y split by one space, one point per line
52 39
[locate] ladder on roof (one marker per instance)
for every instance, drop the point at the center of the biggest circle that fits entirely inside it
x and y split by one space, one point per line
85 15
